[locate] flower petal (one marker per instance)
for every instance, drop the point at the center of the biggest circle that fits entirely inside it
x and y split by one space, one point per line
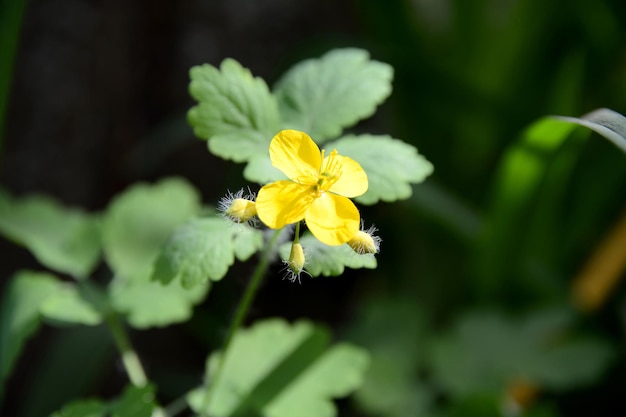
283 202
332 219
296 155
353 180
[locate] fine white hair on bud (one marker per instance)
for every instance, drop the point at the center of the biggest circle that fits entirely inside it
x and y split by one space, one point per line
239 207
365 241
295 264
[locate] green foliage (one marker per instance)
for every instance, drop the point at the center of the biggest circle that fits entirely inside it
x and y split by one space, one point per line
203 249
533 174
238 116
135 226
140 220
477 355
391 165
68 305
236 111
20 314
275 369
63 239
134 402
394 333
327 260
323 96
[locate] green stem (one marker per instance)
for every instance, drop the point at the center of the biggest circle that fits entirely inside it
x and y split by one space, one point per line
130 359
296 237
240 315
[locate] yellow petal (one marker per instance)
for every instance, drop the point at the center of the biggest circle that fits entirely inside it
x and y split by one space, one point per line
332 219
283 202
353 180
296 155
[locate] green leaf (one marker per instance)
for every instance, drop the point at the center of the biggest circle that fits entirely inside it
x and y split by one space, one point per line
19 316
275 369
393 331
327 260
135 227
83 408
323 96
135 402
391 165
150 303
485 352
261 170
235 112
65 240
66 305
203 249
605 122
138 222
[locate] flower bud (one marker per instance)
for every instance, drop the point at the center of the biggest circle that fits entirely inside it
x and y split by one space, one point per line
295 264
296 259
241 210
238 208
365 242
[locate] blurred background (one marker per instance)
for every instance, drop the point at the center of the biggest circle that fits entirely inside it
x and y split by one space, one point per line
470 312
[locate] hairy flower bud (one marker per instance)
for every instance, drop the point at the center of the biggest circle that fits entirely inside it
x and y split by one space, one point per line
238 208
365 242
295 264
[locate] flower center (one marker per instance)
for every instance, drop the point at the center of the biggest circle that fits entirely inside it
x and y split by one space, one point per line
330 171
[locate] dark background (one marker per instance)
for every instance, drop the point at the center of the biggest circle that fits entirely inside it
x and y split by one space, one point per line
98 101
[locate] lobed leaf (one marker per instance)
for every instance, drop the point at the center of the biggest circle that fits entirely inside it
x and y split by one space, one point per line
138 222
203 249
327 260
135 227
236 112
275 369
323 96
63 239
391 165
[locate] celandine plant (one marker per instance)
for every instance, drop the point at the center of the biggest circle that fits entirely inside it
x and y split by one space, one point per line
164 249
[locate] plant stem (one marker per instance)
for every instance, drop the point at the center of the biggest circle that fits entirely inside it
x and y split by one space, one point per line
131 361
240 315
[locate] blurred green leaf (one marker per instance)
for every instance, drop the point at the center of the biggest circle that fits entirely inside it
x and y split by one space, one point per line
327 260
148 303
66 305
236 113
275 369
136 225
485 352
203 249
261 170
135 402
83 408
532 176
323 96
19 317
393 331
65 240
391 165
138 222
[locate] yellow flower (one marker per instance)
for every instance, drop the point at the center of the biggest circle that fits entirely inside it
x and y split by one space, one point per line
318 192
